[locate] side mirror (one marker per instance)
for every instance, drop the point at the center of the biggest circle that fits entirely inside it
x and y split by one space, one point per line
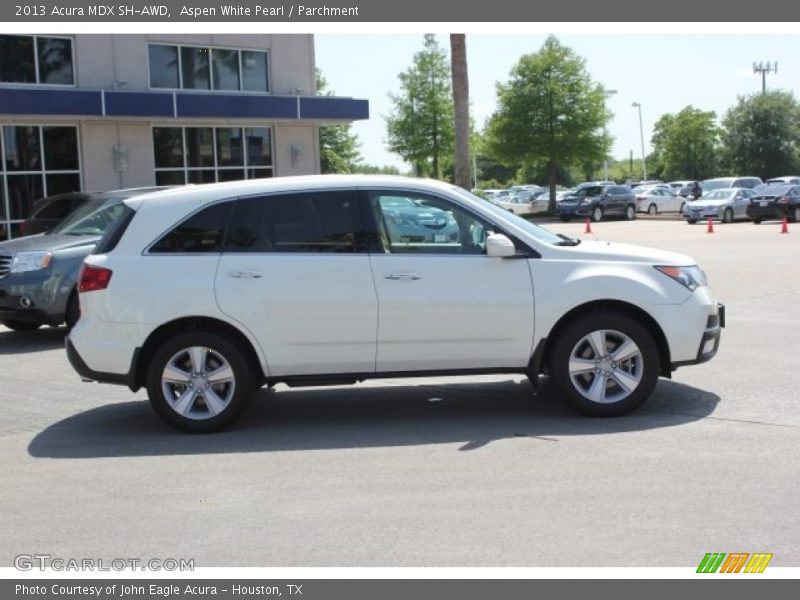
499 246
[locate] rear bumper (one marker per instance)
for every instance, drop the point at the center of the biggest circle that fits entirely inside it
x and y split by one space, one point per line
86 374
709 343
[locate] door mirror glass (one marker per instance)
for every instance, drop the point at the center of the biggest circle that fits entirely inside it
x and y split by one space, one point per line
499 246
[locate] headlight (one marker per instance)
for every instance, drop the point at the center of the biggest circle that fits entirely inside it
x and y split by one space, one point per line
30 261
689 277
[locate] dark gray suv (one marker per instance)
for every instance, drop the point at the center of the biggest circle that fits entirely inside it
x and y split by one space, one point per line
39 273
598 201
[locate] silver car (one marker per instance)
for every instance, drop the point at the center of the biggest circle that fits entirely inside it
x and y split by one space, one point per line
724 204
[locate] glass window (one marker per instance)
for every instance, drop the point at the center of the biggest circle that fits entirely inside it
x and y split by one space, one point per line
55 60
414 223
168 147
225 67
55 209
255 76
230 174
201 176
229 147
63 183
305 222
60 149
22 148
23 192
259 173
199 147
93 218
259 146
17 59
170 177
202 232
163 66
195 68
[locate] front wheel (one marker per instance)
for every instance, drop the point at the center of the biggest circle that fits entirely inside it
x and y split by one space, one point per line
605 365
756 221
630 212
652 209
795 218
21 325
691 221
727 216
564 219
199 382
597 214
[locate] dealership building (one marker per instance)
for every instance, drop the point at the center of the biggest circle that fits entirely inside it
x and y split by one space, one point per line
100 112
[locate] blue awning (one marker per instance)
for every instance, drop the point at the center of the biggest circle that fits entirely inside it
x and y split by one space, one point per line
178 105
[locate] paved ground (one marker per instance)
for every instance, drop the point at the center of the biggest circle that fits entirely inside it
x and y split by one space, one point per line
438 472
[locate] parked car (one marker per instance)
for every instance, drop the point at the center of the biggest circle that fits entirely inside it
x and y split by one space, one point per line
52 210
723 204
39 274
414 221
598 201
710 185
519 205
203 294
775 202
686 189
785 180
657 199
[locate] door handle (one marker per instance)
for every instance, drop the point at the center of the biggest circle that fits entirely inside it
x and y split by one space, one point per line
244 274
402 276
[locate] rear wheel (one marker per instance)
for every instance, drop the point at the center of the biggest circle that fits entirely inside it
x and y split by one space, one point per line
795 214
605 364
630 212
652 209
680 210
756 221
199 382
691 221
565 219
597 214
727 216
21 325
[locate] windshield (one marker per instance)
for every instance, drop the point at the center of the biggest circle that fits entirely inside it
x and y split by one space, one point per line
93 218
718 195
715 184
540 233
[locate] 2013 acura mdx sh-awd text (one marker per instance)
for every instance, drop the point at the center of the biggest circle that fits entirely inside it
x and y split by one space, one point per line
205 293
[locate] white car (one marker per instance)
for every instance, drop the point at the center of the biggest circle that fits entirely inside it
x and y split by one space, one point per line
656 199
205 293
723 204
513 203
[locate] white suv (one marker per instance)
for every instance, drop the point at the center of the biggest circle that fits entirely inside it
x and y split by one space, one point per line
205 293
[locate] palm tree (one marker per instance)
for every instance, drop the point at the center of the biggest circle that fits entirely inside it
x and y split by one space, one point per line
458 62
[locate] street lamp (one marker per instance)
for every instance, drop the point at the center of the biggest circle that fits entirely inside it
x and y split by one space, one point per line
607 94
641 134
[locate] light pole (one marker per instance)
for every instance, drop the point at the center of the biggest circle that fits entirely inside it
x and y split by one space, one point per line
641 135
607 94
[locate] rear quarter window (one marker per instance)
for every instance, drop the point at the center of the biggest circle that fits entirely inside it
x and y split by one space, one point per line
202 232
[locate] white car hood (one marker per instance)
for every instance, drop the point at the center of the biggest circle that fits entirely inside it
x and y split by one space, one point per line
612 251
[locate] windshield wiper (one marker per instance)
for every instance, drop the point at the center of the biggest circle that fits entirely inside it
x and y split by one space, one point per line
566 240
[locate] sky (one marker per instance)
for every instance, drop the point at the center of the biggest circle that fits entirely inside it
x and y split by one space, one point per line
663 72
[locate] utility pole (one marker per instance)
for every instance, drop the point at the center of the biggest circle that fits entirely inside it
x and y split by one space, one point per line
764 70
641 134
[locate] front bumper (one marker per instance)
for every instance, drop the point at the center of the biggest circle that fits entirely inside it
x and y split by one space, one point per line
32 297
695 214
709 343
574 210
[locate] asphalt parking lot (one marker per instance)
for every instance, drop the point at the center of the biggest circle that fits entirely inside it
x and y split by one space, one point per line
432 472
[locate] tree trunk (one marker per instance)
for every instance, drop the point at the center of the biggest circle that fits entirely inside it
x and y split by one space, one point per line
552 180
458 63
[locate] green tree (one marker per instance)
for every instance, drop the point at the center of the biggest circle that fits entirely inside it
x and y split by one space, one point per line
550 109
761 135
420 127
685 145
338 146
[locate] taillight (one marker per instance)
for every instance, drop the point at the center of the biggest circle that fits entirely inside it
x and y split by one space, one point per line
93 278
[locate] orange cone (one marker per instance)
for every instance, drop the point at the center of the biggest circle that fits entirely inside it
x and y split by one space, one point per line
785 225
588 226
710 228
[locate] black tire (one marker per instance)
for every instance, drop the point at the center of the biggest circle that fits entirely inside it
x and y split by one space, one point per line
646 364
564 219
630 212
73 311
215 346
597 214
652 209
727 216
680 210
795 217
756 221
691 221
21 325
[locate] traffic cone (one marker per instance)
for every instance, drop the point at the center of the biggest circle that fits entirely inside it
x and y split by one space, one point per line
785 225
588 228
710 228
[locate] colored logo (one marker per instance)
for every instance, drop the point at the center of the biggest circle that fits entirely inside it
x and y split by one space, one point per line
735 562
